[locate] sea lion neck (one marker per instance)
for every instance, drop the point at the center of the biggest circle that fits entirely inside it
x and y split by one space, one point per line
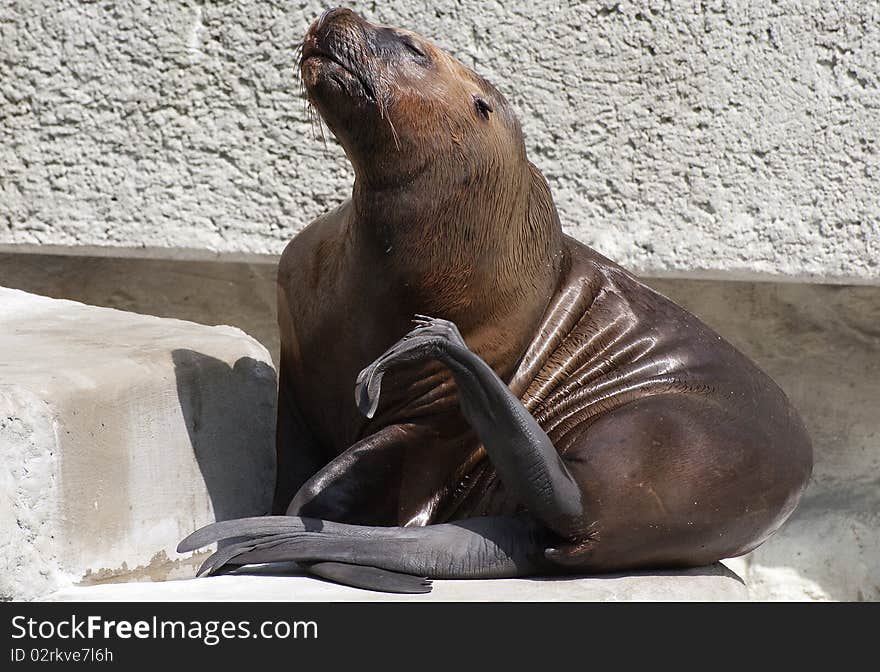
459 250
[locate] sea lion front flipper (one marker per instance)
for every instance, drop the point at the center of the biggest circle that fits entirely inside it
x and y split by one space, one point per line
428 339
519 449
370 578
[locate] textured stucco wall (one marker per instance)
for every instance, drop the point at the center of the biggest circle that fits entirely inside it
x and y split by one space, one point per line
675 135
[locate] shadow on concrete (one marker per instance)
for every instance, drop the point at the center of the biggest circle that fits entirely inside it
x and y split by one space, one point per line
230 417
716 569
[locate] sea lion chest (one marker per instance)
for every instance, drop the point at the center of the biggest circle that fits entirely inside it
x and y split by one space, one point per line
336 317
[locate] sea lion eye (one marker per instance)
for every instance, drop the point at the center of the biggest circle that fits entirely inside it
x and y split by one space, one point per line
483 108
414 49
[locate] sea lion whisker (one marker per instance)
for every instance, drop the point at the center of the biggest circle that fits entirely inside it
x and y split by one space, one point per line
321 130
315 122
394 134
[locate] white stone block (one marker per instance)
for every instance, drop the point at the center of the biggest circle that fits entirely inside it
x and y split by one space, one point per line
120 434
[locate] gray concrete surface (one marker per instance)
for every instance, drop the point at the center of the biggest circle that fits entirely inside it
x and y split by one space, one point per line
120 434
276 584
675 135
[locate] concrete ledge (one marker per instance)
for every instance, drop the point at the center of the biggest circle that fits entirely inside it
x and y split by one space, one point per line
715 583
119 434
819 342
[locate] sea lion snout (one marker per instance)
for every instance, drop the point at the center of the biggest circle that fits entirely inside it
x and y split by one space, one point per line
343 38
334 57
333 23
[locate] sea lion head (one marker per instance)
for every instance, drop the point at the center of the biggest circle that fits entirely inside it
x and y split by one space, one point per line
444 195
400 105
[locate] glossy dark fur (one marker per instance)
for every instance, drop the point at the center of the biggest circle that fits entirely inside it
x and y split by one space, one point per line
575 421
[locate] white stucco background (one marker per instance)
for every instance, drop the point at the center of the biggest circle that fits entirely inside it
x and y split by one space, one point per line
675 135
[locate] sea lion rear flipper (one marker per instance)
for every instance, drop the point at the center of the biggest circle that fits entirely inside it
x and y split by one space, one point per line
257 526
370 578
392 559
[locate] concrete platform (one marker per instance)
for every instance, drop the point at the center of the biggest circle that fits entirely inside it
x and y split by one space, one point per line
120 434
820 342
276 584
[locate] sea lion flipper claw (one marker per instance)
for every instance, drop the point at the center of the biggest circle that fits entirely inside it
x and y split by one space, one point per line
368 388
424 340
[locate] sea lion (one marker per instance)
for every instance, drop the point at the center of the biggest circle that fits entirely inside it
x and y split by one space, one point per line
555 415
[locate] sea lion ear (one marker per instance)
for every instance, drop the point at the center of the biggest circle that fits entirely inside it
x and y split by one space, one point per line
541 206
483 107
